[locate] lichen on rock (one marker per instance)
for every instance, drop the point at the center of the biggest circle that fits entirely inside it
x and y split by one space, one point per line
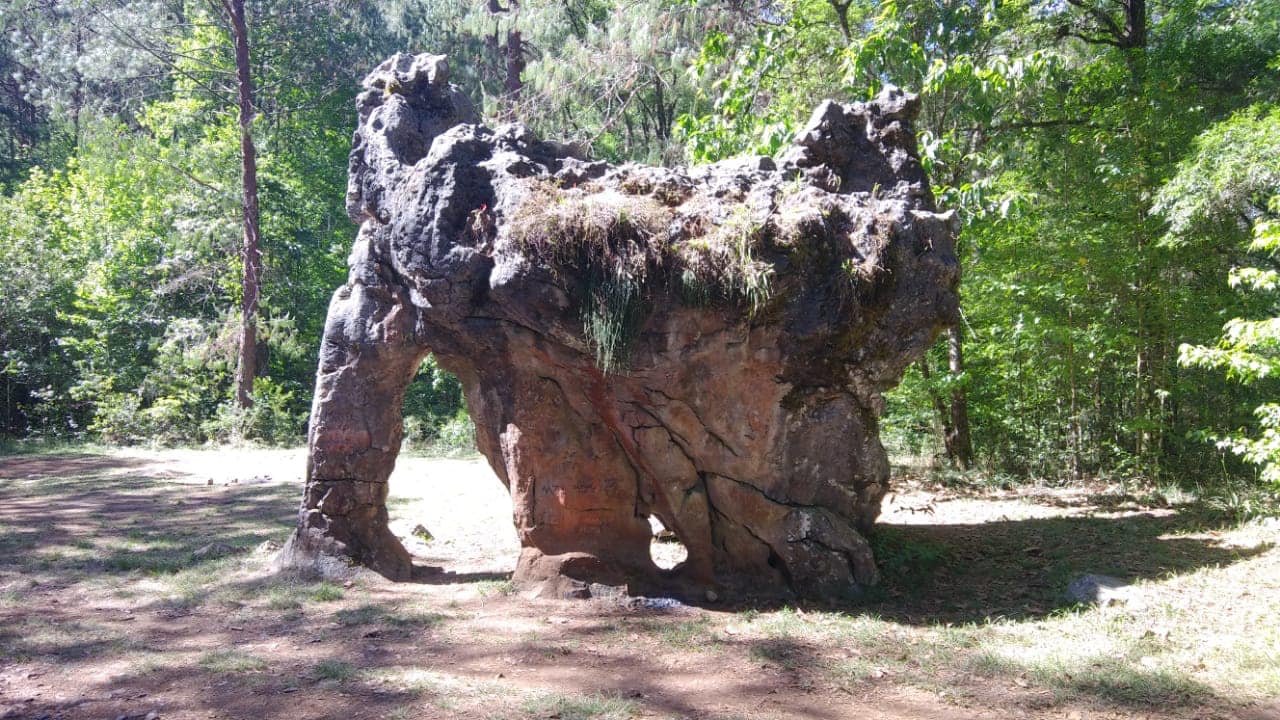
705 345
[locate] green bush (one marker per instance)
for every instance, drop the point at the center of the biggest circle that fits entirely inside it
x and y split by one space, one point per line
271 419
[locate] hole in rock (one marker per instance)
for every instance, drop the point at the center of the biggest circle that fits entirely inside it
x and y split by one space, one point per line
666 549
435 417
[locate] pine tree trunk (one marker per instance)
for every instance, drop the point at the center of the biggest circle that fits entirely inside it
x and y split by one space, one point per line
251 253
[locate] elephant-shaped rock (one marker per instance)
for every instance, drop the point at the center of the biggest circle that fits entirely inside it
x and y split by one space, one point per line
704 345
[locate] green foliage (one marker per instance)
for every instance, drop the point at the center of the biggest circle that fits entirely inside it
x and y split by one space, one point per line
1249 350
124 327
435 416
1227 179
1104 194
1074 307
1228 182
39 257
751 108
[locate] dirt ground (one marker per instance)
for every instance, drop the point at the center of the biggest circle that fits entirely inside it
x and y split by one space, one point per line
137 584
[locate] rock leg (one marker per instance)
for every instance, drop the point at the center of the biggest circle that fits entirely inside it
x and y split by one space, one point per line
367 359
574 492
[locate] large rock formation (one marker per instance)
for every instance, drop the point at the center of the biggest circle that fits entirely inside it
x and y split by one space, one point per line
705 345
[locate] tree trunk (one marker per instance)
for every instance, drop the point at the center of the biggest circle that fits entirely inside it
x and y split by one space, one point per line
1135 23
939 405
956 442
77 95
515 64
842 16
961 445
251 254
1074 436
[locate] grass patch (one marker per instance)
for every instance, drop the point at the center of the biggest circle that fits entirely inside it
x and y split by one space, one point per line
146 663
444 691
287 592
409 680
334 670
1072 676
825 627
903 559
495 588
360 615
12 597
284 599
609 244
724 262
780 651
580 707
230 662
619 249
60 640
51 446
327 592
370 614
684 634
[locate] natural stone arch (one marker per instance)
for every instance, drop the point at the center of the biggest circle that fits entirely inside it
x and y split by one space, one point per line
706 345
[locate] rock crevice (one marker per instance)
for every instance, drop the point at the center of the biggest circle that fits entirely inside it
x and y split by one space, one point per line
705 345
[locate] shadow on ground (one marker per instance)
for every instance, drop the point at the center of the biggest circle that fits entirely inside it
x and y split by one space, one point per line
30 467
1021 568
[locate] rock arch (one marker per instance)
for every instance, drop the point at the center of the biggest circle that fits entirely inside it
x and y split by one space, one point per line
707 345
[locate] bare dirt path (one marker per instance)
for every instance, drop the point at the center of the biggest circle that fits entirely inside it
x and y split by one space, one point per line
138 582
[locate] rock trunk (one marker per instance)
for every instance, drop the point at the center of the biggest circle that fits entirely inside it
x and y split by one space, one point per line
705 345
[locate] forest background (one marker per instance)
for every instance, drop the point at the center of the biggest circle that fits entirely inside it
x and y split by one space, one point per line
1115 165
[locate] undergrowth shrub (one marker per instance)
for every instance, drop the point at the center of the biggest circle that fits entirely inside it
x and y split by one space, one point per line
184 394
271 418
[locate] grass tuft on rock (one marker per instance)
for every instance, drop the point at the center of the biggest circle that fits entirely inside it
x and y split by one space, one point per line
616 250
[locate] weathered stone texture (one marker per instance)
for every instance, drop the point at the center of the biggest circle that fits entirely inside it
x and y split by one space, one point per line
760 309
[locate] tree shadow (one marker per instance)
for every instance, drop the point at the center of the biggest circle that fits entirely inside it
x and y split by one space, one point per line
62 465
440 575
71 529
1020 569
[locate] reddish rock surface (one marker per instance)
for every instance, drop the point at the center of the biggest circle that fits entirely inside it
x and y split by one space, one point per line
705 345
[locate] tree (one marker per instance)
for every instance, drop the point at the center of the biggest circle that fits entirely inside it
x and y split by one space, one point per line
149 200
1249 352
251 254
1230 182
